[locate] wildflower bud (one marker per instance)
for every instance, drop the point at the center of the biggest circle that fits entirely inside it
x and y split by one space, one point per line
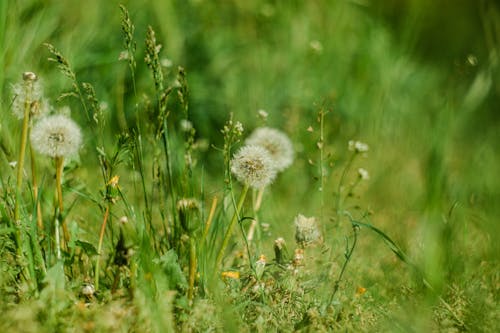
276 143
88 290
123 220
252 165
280 250
186 125
262 114
29 76
363 174
358 146
306 230
260 265
187 208
298 257
56 136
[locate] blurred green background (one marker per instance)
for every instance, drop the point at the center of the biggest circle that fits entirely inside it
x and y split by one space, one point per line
418 80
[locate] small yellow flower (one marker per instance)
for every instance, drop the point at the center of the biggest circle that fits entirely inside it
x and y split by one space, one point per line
113 182
360 291
230 275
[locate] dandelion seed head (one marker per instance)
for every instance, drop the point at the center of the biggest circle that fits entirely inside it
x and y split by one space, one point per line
276 143
306 230
28 93
254 166
56 136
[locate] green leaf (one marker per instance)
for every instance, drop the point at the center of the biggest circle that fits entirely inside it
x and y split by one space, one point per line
88 248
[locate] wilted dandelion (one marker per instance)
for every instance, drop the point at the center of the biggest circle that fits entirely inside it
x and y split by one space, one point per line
253 166
280 250
306 230
56 136
276 143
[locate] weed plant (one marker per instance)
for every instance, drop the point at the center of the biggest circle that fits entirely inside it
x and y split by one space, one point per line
127 204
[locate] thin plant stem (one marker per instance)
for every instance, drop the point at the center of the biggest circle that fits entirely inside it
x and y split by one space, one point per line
341 183
39 220
210 218
99 246
258 201
168 166
59 171
348 256
255 222
57 237
229 231
192 267
321 144
20 167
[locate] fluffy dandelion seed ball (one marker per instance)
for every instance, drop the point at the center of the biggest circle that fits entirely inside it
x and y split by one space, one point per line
306 230
276 143
254 166
56 136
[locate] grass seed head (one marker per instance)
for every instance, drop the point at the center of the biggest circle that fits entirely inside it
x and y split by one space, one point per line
254 166
56 136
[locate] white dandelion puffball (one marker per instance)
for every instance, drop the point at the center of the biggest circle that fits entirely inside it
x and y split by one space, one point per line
276 143
254 166
56 136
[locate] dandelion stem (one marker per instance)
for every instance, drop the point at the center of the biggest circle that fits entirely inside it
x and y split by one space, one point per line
348 255
20 162
225 241
20 168
255 221
39 220
341 183
99 246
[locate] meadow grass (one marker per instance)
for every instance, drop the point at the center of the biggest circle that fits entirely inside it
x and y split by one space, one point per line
165 220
